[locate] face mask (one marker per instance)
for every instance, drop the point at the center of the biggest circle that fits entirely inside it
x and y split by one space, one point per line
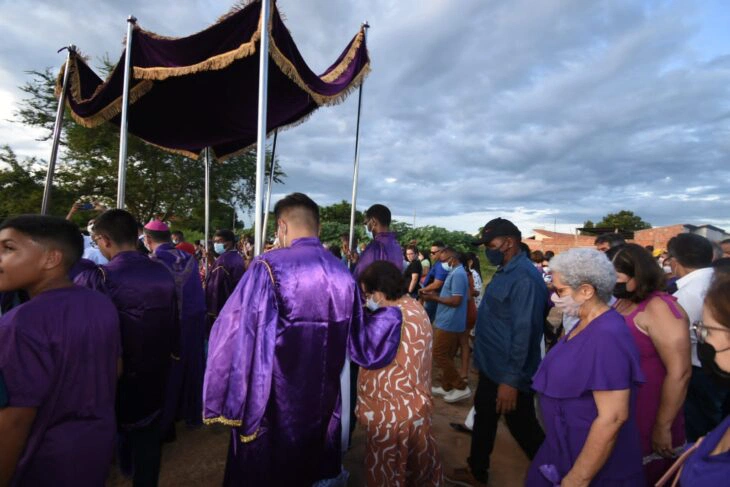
706 354
567 304
620 291
495 256
371 304
546 269
175 242
667 269
219 248
90 228
368 232
446 266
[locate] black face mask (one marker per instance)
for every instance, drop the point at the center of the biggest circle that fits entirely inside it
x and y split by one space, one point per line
620 291
706 354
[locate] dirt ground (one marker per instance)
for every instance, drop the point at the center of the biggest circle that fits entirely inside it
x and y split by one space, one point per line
198 457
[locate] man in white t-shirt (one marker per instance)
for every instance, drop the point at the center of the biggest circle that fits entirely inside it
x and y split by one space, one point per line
690 257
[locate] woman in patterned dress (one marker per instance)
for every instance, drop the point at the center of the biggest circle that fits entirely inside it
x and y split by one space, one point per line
394 403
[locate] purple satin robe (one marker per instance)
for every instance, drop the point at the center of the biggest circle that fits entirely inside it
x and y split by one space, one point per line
275 357
58 354
220 282
143 292
185 385
383 247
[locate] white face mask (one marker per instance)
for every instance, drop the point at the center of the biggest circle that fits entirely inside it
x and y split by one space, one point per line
90 228
567 304
371 304
667 269
368 232
446 266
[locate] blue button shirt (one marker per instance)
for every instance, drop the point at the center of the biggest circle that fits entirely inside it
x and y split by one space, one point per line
453 318
510 324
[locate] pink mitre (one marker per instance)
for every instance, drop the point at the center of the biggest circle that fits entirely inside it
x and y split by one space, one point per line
157 226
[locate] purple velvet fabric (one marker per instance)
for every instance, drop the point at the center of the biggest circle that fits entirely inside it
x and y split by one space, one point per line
275 357
185 386
383 247
222 278
216 108
143 292
58 354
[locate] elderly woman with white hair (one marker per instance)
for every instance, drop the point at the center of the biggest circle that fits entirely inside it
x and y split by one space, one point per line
587 384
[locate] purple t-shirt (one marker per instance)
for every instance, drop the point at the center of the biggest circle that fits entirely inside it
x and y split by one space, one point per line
58 354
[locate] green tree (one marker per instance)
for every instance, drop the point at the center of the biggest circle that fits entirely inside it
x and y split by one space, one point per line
588 224
21 184
624 220
158 183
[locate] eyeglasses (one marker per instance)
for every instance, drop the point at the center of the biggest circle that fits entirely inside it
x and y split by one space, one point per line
702 331
434 252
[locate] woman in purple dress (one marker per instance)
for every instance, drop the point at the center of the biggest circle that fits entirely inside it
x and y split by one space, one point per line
660 330
587 384
709 465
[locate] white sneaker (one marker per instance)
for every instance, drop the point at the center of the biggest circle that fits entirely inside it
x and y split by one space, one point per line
456 395
438 391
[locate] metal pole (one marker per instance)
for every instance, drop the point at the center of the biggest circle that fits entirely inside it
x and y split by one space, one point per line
356 170
261 139
122 176
57 132
267 205
207 206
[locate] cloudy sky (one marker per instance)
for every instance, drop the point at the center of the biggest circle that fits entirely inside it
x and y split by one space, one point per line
549 112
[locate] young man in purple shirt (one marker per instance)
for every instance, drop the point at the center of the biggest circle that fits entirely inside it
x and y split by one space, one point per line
224 275
59 356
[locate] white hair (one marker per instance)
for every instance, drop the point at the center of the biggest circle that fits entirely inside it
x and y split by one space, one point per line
586 266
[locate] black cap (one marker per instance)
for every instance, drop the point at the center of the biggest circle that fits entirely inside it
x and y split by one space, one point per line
499 227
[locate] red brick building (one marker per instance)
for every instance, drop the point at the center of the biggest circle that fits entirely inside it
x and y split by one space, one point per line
658 237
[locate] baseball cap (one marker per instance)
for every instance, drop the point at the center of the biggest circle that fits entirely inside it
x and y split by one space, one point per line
499 227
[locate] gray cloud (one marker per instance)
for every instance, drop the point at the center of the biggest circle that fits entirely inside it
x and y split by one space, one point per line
546 111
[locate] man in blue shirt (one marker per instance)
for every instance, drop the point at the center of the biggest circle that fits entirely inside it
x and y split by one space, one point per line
449 325
434 279
507 350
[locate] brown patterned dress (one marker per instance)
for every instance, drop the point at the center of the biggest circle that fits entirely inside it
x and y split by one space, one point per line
394 404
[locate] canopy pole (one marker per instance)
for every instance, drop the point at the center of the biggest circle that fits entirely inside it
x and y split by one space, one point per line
57 132
207 205
122 176
267 205
356 170
261 139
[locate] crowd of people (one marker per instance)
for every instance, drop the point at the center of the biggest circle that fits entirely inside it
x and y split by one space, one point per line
110 338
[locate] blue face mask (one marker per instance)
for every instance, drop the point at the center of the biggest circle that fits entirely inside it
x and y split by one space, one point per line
219 248
495 256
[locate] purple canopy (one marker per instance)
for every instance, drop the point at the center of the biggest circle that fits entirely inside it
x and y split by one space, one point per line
202 91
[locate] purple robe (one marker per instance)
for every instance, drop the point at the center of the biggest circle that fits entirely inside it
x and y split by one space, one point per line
603 357
275 357
143 292
58 353
383 247
220 282
185 386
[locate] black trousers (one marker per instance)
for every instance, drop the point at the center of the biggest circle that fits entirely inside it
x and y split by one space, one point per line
522 423
141 453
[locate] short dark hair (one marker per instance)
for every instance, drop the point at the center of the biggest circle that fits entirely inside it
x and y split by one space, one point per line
691 250
537 256
549 254
612 239
380 213
158 236
635 261
722 266
385 277
300 201
118 225
179 234
226 235
438 243
717 300
413 248
471 256
51 231
726 241
523 246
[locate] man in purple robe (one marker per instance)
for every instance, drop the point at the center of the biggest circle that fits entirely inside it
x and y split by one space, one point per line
59 356
278 351
384 245
223 275
143 292
185 386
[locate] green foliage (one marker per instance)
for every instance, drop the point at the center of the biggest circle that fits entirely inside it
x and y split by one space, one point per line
158 183
340 213
623 220
588 224
425 236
